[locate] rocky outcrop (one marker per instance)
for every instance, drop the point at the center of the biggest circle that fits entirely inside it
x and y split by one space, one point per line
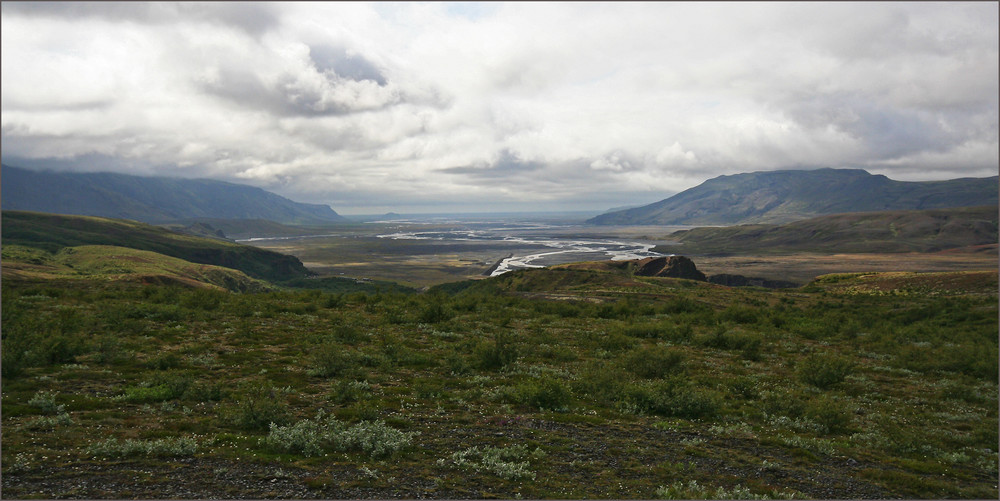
671 266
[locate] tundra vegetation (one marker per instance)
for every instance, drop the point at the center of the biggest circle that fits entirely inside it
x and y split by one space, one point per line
551 383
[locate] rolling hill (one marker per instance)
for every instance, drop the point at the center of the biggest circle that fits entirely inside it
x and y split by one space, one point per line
783 196
112 263
150 199
54 232
887 231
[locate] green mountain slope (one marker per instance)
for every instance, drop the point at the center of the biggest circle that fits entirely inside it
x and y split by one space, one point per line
889 231
150 199
783 196
53 232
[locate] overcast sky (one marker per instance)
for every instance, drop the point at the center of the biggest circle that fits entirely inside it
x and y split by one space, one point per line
434 107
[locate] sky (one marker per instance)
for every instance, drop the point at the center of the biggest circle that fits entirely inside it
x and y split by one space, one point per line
480 107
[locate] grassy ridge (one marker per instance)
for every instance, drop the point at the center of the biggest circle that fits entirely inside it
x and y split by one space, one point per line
858 386
105 262
893 231
53 232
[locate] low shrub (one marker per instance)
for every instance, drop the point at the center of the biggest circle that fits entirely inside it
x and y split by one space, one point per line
347 391
672 397
601 382
164 362
824 371
544 394
313 437
829 414
146 394
258 406
330 360
693 490
654 362
495 355
506 462
782 404
645 330
112 447
434 312
45 402
49 422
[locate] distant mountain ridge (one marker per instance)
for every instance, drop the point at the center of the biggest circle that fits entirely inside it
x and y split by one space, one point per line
931 230
776 197
150 199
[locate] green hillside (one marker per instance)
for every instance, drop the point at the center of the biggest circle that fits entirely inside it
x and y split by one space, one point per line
53 232
776 197
890 231
538 384
106 262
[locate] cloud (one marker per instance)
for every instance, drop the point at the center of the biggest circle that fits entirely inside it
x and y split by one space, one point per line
410 105
254 18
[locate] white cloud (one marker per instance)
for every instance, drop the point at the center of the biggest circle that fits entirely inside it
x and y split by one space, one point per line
498 105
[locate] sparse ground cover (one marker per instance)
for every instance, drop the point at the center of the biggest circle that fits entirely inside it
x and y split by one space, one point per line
856 386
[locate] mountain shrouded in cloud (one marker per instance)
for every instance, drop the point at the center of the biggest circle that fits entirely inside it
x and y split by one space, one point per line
438 107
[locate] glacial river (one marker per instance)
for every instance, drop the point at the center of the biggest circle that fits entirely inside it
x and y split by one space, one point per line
549 244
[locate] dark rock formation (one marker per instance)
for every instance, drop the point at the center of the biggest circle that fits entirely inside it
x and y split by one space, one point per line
672 266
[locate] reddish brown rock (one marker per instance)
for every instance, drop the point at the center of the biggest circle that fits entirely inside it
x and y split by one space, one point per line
671 266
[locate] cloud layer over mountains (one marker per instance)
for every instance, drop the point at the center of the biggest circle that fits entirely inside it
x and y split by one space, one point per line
459 106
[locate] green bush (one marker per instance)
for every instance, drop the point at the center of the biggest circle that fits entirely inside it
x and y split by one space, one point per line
146 394
434 312
782 404
824 371
645 330
654 362
45 402
674 398
112 447
347 391
349 334
749 344
740 314
830 414
257 406
693 490
164 361
329 360
506 462
545 394
601 382
495 355
615 342
326 433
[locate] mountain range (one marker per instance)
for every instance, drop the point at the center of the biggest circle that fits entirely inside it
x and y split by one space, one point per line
931 230
776 197
150 199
